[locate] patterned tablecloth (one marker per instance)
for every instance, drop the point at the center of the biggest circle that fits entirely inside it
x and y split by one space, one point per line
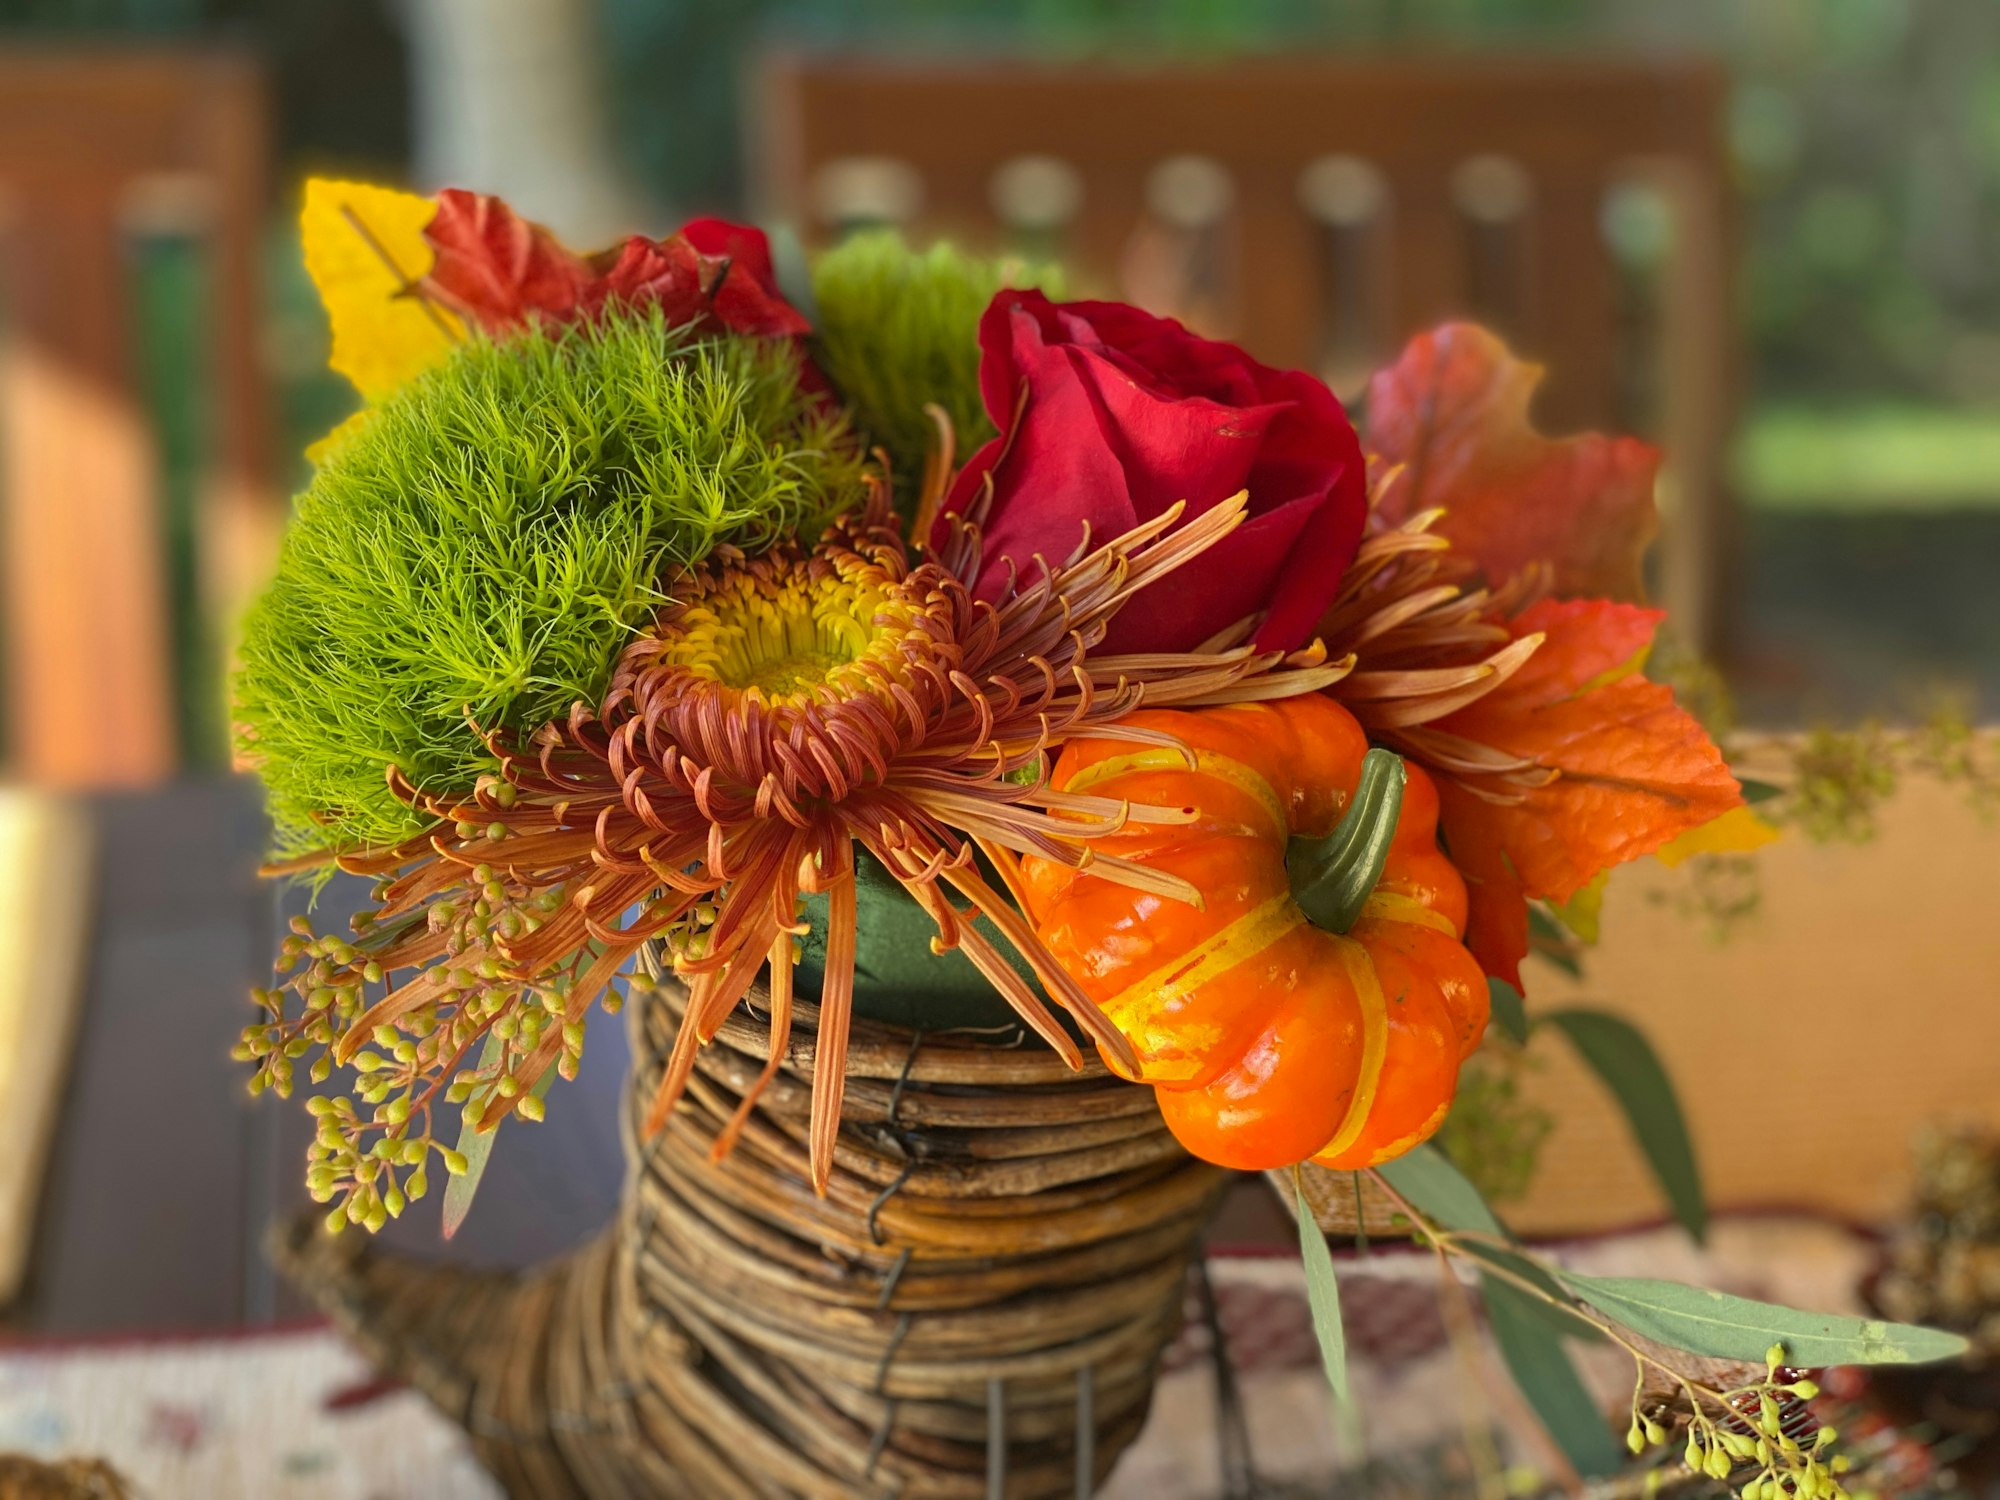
293 1415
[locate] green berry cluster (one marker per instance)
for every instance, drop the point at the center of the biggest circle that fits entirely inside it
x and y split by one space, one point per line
1760 1437
429 1011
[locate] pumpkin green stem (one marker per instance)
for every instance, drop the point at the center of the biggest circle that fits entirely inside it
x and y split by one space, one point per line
1333 877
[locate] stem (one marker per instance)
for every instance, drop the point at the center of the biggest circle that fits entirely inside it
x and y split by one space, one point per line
1791 1464
406 287
1453 1241
1460 1325
1333 877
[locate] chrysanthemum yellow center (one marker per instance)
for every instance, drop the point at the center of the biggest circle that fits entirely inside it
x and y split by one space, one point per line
788 634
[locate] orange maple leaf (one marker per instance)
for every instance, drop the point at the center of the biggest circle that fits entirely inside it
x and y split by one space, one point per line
1633 770
1453 408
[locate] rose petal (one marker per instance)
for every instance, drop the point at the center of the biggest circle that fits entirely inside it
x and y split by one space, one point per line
1110 416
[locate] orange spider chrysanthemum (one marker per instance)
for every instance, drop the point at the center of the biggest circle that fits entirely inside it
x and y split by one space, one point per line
782 711
794 706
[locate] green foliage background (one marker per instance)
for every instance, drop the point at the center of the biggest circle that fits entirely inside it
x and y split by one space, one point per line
1866 133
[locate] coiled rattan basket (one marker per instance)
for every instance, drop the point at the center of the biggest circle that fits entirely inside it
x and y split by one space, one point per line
977 1307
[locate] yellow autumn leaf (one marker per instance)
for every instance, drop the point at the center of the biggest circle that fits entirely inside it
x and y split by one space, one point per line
1737 831
323 448
364 245
1583 912
1630 667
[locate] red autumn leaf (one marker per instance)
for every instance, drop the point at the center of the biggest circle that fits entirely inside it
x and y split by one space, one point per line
1635 769
495 268
730 286
1454 409
747 248
498 270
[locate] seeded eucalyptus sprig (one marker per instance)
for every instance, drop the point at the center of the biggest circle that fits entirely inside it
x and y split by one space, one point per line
469 1028
1760 1436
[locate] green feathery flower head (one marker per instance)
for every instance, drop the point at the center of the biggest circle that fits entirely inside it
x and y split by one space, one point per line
480 548
899 328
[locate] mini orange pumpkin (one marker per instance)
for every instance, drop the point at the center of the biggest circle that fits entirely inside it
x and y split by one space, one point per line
1270 1038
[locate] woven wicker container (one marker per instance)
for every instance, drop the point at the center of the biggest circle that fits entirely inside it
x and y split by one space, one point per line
981 1299
23 1478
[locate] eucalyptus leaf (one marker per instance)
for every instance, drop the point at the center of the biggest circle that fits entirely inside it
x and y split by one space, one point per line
1323 1296
1541 1367
1509 1009
476 1146
1527 1329
1555 1316
1725 1327
1428 1179
1620 1055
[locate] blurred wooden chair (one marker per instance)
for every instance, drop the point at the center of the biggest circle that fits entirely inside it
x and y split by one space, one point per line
96 149
1321 210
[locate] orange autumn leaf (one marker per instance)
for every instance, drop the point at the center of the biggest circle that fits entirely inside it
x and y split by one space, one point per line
1453 410
1496 923
1634 770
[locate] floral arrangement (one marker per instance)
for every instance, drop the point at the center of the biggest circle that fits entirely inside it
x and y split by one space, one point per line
897 638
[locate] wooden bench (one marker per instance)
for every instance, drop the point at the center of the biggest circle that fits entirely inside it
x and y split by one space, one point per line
1322 209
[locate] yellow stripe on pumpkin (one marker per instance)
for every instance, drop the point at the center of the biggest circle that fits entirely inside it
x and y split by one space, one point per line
1374 1042
1238 942
1206 763
1394 906
1404 1144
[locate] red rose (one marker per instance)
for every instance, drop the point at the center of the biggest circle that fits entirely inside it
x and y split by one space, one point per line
1109 415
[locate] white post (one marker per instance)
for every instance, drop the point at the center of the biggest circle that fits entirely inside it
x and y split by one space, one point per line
510 98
